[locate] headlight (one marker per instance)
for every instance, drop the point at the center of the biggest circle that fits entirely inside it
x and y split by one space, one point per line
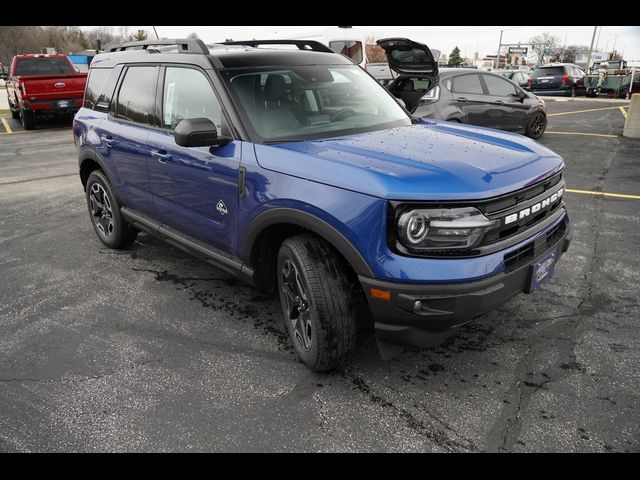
443 228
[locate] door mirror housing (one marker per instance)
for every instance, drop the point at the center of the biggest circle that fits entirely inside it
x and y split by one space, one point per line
198 132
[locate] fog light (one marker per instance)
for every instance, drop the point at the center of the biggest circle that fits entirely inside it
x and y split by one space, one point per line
417 306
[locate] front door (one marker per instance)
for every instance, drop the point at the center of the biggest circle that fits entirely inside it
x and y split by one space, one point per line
195 190
470 98
509 111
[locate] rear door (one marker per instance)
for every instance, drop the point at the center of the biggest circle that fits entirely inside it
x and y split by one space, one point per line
508 111
123 136
195 190
547 78
470 97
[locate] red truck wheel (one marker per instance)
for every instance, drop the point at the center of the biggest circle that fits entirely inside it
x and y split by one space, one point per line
27 119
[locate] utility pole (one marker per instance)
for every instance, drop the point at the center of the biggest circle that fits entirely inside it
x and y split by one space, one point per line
598 41
591 47
156 32
499 47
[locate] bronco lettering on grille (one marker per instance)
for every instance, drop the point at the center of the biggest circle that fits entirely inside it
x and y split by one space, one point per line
547 202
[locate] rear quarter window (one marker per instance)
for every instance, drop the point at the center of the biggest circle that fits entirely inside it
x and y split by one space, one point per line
95 83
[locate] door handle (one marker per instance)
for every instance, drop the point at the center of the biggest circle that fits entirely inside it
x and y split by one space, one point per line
461 99
161 155
107 140
498 102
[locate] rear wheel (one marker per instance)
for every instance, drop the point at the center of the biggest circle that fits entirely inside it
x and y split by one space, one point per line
27 118
317 301
104 209
537 125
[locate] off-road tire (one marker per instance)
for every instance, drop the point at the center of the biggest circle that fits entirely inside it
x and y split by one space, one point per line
119 234
330 301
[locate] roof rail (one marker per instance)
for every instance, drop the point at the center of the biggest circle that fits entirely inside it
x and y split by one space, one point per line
184 45
301 44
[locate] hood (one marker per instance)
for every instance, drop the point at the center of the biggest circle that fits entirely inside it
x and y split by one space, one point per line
427 161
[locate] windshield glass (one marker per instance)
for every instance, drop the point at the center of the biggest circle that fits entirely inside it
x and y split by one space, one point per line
311 102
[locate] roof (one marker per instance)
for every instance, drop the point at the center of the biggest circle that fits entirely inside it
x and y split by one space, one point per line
220 56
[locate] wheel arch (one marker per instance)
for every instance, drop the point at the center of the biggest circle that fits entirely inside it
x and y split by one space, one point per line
89 161
267 231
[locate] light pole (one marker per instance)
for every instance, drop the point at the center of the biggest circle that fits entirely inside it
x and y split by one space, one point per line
498 55
591 47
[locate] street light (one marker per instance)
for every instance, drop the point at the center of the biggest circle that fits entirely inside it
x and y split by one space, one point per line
500 45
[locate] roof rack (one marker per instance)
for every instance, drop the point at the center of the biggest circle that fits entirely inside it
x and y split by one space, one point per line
301 44
183 45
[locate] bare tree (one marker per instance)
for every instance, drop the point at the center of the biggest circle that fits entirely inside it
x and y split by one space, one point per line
17 40
544 45
569 53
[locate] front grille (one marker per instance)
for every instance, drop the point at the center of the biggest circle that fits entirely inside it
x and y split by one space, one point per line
523 255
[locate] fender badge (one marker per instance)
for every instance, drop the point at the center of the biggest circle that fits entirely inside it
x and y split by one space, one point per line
222 208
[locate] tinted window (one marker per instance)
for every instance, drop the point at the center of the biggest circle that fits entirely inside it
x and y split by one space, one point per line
547 72
188 94
137 95
103 102
499 87
95 83
43 66
351 49
467 84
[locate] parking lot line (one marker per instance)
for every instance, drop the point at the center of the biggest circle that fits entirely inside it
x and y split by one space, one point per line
586 134
6 125
603 194
624 112
582 111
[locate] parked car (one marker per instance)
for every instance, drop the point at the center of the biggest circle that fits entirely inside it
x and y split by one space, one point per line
44 86
300 174
519 77
558 79
463 95
381 72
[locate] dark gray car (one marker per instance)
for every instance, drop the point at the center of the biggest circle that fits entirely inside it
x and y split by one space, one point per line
461 95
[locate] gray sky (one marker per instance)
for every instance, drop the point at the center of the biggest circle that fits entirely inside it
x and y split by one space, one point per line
469 39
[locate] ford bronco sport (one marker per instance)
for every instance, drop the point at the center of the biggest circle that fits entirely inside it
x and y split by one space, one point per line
296 171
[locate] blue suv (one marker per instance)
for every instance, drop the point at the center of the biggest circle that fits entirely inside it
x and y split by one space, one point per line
292 168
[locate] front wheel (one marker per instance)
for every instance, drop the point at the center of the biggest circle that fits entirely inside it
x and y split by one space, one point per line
318 302
537 125
104 209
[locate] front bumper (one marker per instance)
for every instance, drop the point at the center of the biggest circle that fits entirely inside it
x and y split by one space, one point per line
446 307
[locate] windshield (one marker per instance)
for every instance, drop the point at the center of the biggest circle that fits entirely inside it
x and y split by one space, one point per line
311 102
43 66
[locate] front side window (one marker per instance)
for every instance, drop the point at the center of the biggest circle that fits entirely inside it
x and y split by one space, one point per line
468 84
136 99
310 102
498 87
348 48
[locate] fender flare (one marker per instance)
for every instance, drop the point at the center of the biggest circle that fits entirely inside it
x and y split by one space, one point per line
88 154
311 223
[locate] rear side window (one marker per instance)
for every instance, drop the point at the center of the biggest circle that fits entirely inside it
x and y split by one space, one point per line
136 98
95 83
499 87
43 66
467 84
548 72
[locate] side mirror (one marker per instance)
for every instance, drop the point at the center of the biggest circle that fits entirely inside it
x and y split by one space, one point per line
521 95
198 132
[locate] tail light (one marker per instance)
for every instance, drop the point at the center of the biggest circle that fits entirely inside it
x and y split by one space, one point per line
23 91
529 81
565 79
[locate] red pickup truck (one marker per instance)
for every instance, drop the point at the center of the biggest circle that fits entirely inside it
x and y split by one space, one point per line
44 86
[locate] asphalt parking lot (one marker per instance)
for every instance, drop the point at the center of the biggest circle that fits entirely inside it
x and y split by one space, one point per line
149 349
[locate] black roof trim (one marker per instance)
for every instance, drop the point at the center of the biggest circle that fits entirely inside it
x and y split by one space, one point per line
312 45
184 45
